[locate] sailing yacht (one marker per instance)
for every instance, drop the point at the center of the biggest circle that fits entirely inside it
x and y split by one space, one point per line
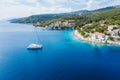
35 46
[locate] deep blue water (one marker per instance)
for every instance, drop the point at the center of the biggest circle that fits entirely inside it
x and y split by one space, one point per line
62 58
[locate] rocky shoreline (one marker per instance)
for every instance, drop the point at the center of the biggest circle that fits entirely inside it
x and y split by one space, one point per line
80 37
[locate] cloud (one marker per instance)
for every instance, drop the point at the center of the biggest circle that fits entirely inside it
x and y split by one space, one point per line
53 9
116 2
96 4
22 8
31 1
55 1
19 8
65 1
93 4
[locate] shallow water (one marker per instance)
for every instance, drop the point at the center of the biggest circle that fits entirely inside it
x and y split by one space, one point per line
62 58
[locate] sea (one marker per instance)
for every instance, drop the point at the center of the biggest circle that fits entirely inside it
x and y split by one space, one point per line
63 56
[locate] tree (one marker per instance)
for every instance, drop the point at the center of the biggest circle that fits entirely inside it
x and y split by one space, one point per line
110 38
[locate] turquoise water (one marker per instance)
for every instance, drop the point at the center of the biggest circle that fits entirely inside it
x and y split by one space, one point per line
63 57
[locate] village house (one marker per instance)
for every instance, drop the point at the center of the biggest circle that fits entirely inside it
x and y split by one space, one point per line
103 23
37 24
50 26
71 25
65 24
111 27
87 25
115 33
59 25
98 36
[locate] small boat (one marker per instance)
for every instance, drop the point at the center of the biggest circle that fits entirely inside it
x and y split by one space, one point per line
35 46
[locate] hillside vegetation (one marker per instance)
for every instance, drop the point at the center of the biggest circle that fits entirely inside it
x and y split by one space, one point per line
43 17
111 17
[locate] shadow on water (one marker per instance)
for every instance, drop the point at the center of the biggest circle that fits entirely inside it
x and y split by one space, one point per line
35 51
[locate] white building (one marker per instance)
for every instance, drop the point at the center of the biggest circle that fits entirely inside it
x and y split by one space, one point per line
103 23
71 24
115 33
98 36
110 28
37 24
87 25
65 24
58 23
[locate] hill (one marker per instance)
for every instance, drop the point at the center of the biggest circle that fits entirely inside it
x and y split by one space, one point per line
111 16
44 17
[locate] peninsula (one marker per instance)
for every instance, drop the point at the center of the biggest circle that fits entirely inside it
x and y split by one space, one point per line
98 26
99 33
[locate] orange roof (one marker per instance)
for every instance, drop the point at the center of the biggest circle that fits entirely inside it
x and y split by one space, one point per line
98 33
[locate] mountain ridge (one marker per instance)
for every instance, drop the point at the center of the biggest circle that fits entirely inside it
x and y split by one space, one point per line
44 17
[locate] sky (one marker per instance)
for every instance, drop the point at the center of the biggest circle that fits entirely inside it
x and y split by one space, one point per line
22 8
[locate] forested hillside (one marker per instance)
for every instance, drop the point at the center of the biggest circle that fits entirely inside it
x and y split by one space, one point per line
75 15
111 16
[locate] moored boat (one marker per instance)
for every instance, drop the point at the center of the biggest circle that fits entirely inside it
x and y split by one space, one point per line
35 46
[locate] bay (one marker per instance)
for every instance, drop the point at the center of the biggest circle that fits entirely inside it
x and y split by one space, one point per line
63 57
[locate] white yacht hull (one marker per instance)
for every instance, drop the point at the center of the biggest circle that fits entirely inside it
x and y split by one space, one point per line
35 46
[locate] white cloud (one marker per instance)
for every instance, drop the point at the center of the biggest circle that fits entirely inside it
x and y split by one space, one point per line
31 1
93 4
52 9
55 1
96 4
14 11
65 1
116 2
21 8
14 8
